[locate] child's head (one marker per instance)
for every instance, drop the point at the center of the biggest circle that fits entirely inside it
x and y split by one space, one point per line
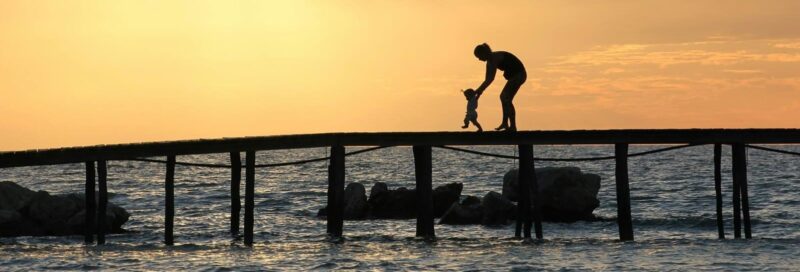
469 93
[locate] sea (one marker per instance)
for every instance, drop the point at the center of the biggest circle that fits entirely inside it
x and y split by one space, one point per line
672 197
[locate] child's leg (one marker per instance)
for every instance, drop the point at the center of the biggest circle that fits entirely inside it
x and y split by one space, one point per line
466 122
478 125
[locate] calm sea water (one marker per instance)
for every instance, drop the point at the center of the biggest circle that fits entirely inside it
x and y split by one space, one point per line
672 197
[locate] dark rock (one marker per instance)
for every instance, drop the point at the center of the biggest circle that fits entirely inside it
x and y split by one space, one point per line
14 197
444 196
116 216
9 217
355 201
354 195
12 223
567 194
378 188
510 185
392 204
497 210
39 213
467 211
52 212
402 203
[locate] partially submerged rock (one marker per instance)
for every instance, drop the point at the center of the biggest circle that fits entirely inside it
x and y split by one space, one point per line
400 203
465 212
355 199
392 204
497 210
567 194
492 209
444 196
27 213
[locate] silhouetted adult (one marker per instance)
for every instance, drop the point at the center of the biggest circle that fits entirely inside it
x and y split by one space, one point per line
513 71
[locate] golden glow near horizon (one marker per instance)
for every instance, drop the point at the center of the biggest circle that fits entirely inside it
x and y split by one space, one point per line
97 72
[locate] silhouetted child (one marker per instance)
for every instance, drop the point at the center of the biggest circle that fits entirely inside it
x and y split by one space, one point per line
472 109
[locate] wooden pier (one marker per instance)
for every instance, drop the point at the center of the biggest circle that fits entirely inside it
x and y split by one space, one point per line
529 213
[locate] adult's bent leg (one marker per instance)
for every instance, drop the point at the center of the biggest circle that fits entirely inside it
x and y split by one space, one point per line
507 98
503 121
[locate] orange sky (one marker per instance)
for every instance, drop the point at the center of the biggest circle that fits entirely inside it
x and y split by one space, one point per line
98 72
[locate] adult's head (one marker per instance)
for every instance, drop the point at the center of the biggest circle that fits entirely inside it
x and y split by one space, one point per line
483 52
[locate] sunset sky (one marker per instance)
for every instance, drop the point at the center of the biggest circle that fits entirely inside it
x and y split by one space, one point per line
100 72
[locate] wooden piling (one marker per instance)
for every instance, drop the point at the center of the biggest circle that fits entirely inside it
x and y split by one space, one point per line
718 188
526 158
537 201
423 169
236 201
623 193
102 202
737 213
524 180
336 175
740 174
89 223
169 201
249 196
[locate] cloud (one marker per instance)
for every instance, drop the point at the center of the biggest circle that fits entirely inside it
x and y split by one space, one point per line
613 71
788 45
744 71
712 52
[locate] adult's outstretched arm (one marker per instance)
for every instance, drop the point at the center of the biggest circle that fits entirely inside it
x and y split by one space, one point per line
491 70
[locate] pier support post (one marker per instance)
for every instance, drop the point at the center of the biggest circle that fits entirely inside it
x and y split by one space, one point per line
524 180
89 223
623 193
236 201
526 163
336 174
718 188
249 196
169 201
423 166
737 204
102 202
740 175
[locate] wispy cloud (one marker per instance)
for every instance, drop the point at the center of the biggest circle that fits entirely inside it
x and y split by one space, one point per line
716 52
789 45
743 71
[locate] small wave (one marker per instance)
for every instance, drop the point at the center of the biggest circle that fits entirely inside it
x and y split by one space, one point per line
689 221
274 202
325 266
684 222
305 193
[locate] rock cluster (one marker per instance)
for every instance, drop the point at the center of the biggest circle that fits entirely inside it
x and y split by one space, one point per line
566 195
27 213
492 209
400 203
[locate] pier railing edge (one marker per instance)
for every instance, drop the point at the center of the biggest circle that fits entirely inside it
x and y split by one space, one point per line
543 137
